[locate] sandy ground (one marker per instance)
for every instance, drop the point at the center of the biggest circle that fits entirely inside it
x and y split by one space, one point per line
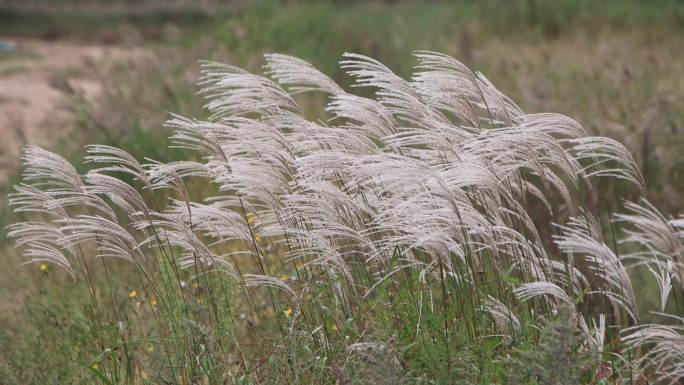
37 79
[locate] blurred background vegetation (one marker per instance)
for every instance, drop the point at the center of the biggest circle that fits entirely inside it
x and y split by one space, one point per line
616 66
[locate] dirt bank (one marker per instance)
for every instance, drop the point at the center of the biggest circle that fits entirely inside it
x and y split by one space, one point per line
37 80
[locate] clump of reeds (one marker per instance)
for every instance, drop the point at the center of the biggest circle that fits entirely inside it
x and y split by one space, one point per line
435 211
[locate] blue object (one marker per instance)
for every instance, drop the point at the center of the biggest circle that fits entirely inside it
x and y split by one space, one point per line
6 46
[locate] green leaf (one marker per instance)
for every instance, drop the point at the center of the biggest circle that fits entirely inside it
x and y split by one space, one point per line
97 373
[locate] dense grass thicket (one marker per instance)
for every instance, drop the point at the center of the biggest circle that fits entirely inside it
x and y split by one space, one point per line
431 232
614 66
362 223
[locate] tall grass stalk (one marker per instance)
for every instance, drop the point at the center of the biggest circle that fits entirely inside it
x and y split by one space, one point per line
433 226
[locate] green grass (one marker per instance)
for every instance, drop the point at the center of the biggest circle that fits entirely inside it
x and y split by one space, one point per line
542 53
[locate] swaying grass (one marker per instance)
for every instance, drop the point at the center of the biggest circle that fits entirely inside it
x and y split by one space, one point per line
434 233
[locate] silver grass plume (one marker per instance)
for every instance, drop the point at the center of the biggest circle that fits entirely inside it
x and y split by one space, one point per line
440 173
665 349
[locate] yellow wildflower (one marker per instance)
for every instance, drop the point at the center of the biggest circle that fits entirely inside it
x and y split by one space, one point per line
43 267
250 219
288 312
334 328
150 348
257 238
132 294
153 301
199 301
284 277
94 366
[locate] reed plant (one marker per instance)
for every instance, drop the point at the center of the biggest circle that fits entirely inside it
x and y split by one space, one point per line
427 232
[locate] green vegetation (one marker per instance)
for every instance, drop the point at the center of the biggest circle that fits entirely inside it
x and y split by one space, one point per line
615 66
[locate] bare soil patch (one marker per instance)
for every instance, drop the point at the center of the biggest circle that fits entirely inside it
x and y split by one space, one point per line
37 80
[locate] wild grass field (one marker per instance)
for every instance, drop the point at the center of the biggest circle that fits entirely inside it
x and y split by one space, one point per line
435 193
